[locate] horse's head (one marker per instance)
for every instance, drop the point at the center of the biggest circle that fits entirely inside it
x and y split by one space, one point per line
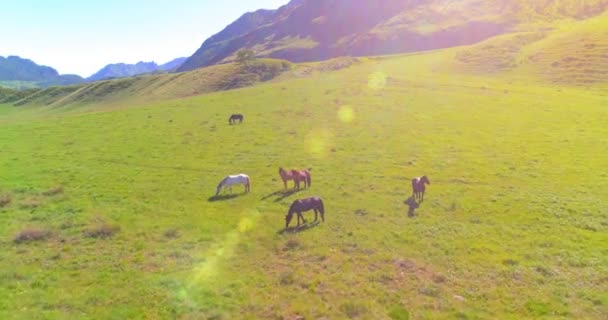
425 179
288 218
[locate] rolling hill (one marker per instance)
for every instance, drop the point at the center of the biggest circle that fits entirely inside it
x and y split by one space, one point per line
16 72
316 30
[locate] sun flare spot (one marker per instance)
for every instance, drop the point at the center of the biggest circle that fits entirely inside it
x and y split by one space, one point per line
377 80
346 114
245 225
319 143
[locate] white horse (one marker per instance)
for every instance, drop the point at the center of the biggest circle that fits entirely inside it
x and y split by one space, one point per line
229 181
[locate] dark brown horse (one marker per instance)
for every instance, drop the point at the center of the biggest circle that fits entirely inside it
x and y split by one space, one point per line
236 117
418 187
301 176
302 205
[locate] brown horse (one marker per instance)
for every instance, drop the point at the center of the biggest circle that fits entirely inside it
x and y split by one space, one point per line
418 187
301 176
302 205
296 176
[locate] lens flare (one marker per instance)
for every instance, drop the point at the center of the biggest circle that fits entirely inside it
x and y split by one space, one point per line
346 114
221 251
319 143
377 80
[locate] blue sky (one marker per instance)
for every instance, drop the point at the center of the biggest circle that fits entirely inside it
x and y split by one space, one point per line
82 36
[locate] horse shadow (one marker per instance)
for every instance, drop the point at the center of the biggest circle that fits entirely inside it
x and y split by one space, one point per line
282 194
413 205
224 197
298 229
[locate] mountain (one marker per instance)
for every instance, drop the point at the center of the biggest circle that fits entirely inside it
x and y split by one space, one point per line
309 30
123 70
172 65
19 72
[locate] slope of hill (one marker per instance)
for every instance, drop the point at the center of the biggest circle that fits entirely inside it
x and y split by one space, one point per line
316 30
157 87
573 53
22 73
123 70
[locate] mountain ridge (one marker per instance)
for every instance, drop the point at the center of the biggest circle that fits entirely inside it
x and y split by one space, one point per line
306 30
123 70
26 72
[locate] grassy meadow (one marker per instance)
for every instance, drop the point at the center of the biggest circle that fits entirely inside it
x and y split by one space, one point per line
106 210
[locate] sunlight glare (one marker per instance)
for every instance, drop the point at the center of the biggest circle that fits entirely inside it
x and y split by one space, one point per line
346 114
377 80
319 142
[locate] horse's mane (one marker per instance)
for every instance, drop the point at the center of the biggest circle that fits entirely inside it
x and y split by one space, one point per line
292 207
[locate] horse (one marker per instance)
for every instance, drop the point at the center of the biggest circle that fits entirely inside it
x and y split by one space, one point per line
418 187
233 118
229 181
301 176
302 205
296 176
286 175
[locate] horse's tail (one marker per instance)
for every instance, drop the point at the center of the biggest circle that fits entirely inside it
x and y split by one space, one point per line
322 209
308 179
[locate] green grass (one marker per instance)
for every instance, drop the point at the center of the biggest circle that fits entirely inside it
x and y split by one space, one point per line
514 224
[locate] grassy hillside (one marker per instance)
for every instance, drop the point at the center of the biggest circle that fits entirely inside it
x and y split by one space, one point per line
106 213
568 53
120 92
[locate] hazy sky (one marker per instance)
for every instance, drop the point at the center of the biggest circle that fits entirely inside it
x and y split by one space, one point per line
82 36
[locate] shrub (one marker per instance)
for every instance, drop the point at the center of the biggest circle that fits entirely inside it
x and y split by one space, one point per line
292 244
53 191
172 234
31 234
102 231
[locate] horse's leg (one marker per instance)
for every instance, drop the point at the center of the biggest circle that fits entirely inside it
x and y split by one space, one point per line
316 215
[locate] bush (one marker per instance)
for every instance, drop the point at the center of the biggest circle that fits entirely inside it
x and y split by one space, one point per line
53 191
102 231
29 235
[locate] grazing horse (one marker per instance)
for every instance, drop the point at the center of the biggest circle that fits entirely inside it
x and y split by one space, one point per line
229 181
418 187
302 205
301 176
236 117
296 176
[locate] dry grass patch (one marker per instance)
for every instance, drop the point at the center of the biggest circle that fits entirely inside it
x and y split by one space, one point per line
30 204
5 200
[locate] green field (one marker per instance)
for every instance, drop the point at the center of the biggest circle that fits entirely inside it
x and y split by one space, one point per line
117 196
